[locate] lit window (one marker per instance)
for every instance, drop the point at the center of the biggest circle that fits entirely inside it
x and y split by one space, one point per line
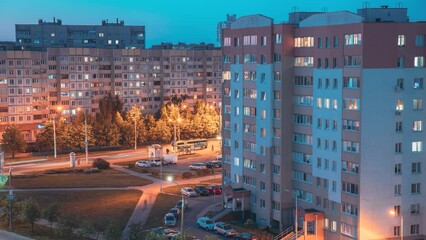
109 41
236 161
419 62
401 40
417 104
416 146
101 34
417 126
418 83
52 34
227 42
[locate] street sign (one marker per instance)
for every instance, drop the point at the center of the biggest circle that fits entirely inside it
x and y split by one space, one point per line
11 197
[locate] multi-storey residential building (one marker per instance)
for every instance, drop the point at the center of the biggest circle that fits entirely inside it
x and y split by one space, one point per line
34 82
224 24
327 114
54 34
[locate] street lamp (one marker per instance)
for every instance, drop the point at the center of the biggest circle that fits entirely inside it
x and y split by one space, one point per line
54 131
86 143
295 221
174 132
170 179
394 213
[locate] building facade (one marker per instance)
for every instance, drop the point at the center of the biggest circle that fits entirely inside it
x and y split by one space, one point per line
224 24
34 83
327 113
53 34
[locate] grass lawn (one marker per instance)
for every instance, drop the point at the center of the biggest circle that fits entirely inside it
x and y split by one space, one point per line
161 206
40 232
105 178
88 205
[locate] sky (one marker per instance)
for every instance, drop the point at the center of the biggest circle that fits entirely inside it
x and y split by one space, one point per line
190 21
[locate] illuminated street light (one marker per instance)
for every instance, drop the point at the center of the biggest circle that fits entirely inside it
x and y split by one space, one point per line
170 179
394 213
86 143
59 108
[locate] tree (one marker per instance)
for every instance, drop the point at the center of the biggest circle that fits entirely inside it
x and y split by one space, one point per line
13 140
153 236
31 211
51 215
66 225
86 229
44 139
113 231
136 231
150 127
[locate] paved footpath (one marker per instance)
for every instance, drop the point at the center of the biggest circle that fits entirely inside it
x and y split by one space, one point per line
5 235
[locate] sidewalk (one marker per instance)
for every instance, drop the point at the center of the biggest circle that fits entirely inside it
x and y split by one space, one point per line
6 235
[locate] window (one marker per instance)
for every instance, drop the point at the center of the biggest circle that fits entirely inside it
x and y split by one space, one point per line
276 188
303 42
353 39
351 188
352 61
397 189
250 40
417 146
351 82
419 62
416 167
397 169
420 40
417 104
351 125
227 42
277 76
302 81
236 161
303 61
335 41
302 176
418 83
275 169
415 188
327 42
350 146
319 42
350 167
236 42
348 229
319 62
263 41
319 162
276 206
278 38
401 40
398 147
351 104
396 230
400 62
326 223
398 127
334 226
262 203
417 126
399 106
415 208
249 163
414 229
277 57
397 210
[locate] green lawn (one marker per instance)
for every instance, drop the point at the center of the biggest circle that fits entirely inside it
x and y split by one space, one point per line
105 178
161 206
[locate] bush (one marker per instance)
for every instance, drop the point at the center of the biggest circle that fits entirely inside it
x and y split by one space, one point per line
186 175
100 163
91 170
203 172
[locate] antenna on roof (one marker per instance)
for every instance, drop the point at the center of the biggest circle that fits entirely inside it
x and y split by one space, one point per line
324 9
399 5
294 9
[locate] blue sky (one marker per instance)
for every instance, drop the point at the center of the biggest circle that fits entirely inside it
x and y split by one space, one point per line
172 20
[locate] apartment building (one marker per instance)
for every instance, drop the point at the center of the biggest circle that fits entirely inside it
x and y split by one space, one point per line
53 34
326 114
34 83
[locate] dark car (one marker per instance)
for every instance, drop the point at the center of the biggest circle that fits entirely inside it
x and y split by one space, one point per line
175 211
179 204
214 164
247 236
201 190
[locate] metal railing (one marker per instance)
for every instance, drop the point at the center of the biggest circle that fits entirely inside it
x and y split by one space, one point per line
284 233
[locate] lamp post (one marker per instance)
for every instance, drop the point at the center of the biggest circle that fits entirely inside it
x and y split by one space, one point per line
316 226
86 143
170 179
394 213
296 214
54 132
174 133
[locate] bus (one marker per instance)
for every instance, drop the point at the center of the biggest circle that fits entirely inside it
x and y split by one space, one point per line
194 144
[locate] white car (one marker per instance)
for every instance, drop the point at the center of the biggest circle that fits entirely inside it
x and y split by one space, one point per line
189 192
143 164
224 229
156 162
206 223
197 166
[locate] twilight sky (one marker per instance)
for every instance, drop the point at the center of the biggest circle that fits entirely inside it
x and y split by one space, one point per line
173 20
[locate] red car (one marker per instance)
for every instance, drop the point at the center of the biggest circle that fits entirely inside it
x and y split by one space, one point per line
214 189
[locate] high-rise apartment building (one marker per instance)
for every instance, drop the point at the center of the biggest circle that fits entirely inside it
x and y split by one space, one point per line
224 24
34 83
54 34
327 114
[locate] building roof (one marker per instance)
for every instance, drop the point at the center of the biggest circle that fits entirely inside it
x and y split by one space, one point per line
252 21
331 18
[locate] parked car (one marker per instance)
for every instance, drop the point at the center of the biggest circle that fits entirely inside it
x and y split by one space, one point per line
214 164
156 162
224 229
189 192
175 211
197 166
214 189
171 234
206 223
143 164
247 236
201 190
170 220
179 204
